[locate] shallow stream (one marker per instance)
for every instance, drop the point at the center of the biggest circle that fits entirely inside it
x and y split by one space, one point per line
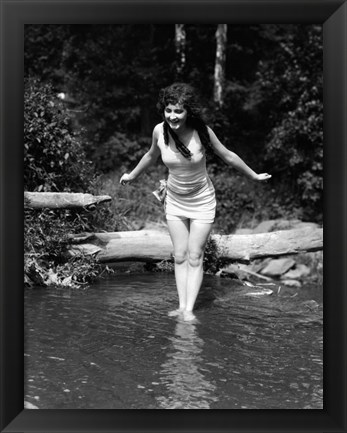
112 346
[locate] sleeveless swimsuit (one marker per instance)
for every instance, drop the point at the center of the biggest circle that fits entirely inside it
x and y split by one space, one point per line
190 192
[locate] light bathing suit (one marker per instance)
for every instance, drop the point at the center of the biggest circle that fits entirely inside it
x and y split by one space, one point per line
190 192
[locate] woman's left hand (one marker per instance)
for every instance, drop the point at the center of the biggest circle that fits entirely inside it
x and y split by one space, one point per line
263 176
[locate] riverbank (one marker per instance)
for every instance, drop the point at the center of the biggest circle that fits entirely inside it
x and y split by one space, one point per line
289 271
85 267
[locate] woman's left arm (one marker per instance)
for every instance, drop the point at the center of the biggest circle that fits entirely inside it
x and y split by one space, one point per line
231 158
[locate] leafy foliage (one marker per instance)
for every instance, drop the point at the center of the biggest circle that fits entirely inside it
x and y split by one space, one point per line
54 158
119 151
293 82
41 47
47 242
212 261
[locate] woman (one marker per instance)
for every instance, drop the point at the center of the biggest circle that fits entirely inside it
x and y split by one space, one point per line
182 140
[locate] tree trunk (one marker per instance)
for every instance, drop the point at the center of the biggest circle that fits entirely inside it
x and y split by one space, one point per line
63 200
180 43
219 70
148 245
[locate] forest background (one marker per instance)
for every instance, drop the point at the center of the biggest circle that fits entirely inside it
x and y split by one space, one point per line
90 108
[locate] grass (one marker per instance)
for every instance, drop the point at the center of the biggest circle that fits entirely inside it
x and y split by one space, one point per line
134 204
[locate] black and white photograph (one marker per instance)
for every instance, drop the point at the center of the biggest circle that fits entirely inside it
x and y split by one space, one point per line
173 216
178 239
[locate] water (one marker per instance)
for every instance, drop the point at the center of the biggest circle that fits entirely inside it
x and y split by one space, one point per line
112 346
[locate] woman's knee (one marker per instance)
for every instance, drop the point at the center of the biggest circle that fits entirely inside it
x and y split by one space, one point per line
180 257
195 258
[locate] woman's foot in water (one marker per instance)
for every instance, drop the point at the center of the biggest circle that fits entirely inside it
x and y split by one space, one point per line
188 316
176 313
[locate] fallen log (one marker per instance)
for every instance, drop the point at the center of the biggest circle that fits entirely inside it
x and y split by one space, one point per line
155 246
244 248
63 200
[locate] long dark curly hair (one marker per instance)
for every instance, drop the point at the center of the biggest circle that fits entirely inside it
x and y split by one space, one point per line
185 95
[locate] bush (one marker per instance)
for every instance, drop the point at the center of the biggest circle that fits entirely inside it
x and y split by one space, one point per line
242 202
54 159
294 144
46 245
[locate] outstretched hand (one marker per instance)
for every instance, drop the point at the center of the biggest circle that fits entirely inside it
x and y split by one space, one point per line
263 176
125 179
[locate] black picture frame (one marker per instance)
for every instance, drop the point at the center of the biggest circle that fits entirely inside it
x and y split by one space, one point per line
14 15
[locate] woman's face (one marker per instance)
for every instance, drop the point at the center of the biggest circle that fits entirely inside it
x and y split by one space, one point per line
175 116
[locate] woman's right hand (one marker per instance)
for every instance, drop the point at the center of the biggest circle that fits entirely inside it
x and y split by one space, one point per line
125 179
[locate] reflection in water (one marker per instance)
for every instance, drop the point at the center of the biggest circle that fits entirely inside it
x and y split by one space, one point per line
181 373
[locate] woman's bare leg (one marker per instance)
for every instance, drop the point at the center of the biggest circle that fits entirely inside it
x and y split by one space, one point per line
179 233
199 233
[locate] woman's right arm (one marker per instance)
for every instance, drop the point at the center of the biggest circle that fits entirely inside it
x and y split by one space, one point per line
148 159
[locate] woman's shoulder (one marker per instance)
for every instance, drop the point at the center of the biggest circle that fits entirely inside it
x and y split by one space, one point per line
158 131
